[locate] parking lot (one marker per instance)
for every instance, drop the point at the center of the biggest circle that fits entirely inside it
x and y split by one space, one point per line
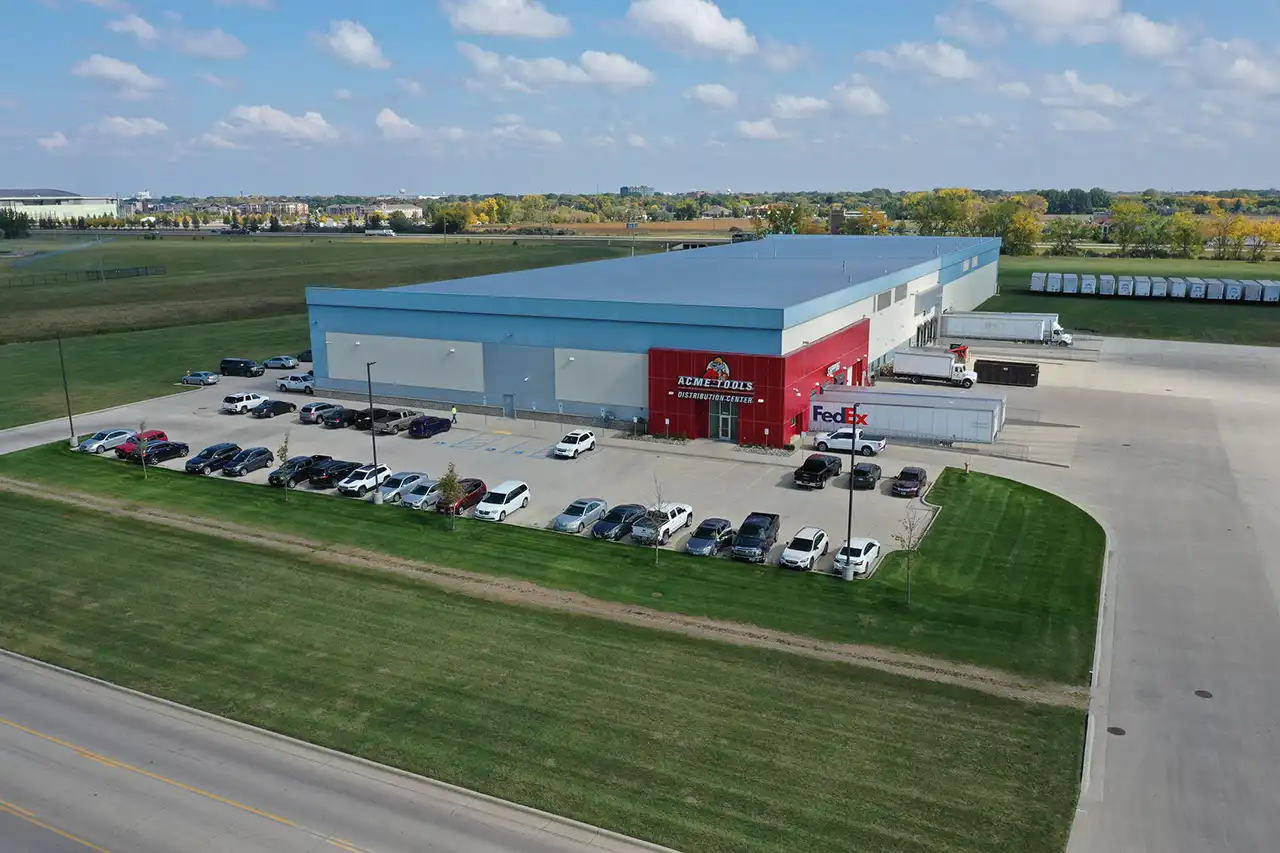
518 450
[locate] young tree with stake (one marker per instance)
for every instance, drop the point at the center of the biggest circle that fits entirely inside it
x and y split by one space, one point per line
140 447
450 492
913 527
282 454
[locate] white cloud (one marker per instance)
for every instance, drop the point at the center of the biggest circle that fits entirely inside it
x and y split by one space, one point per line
782 57
601 141
961 23
522 18
209 44
1015 89
524 134
713 95
214 140
1238 67
350 42
1142 36
611 70
308 127
53 142
394 127
979 120
131 82
129 128
799 106
858 95
1068 90
342 94
635 140
760 129
1054 18
939 59
413 87
693 25
508 118
1082 121
135 26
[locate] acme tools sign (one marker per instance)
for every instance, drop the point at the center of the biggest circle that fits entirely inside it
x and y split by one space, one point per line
713 385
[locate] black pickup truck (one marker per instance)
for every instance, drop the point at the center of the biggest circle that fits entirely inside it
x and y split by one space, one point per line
756 537
817 469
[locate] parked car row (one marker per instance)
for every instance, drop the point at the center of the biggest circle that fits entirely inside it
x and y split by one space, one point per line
251 367
820 468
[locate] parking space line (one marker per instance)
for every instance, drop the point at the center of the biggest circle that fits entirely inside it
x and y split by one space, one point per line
515 448
472 443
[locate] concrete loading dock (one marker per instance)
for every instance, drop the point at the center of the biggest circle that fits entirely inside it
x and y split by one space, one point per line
916 416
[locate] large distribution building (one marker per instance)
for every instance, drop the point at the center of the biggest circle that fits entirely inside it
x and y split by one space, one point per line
57 204
727 342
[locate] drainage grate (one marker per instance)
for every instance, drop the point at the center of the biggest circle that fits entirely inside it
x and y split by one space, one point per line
1204 694
1115 730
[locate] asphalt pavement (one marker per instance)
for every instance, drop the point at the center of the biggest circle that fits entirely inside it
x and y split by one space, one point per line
88 767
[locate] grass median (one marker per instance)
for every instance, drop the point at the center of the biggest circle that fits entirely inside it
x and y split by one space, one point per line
1164 319
700 746
1008 577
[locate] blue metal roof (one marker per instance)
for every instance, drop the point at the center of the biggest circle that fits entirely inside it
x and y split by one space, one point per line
777 282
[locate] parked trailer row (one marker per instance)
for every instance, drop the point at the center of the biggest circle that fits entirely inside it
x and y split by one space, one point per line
942 417
1158 287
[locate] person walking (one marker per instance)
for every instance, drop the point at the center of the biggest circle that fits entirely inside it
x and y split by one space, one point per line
453 412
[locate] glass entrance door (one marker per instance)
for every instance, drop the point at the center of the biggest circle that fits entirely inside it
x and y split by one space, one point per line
724 421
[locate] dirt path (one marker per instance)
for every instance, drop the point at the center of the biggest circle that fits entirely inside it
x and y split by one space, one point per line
526 594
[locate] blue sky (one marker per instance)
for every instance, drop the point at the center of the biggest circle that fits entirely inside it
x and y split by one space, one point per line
433 96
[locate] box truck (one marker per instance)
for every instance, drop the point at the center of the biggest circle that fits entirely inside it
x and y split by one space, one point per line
940 416
934 365
1037 282
995 326
1053 283
1020 374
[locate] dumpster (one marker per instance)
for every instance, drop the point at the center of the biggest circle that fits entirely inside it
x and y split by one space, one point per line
1022 374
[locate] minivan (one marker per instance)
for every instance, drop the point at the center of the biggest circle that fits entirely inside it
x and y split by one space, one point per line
503 499
241 367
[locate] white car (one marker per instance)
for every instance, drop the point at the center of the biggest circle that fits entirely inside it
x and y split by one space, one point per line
661 523
400 484
364 480
859 554
805 549
107 439
303 382
501 500
238 404
851 441
578 441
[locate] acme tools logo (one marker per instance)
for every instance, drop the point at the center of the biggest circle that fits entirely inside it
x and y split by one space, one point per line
716 377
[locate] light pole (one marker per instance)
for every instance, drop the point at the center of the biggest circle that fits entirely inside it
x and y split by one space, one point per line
66 391
373 430
852 463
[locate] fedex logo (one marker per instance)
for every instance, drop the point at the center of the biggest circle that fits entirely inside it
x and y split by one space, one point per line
822 414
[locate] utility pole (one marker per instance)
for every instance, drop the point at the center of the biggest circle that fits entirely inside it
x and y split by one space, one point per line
373 432
66 392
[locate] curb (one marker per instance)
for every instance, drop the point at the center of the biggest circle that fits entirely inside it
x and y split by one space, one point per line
526 817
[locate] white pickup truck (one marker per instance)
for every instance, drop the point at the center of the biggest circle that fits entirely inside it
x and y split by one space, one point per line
661 523
850 441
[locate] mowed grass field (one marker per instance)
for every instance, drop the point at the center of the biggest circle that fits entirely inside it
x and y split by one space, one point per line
1007 578
212 278
110 370
706 748
1237 323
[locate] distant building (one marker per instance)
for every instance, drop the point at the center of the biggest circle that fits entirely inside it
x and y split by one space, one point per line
57 204
715 211
636 192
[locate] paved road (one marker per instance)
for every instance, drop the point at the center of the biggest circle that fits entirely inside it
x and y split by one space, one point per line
84 767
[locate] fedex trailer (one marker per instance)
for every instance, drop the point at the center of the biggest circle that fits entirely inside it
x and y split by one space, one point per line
943 417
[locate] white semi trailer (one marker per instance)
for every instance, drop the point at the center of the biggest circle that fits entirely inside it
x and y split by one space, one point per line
995 326
941 416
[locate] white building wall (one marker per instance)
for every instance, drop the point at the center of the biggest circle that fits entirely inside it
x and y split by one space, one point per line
608 378
62 208
968 292
415 362
890 326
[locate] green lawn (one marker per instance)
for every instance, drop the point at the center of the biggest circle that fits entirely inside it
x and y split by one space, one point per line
212 278
1008 578
1243 323
703 747
110 370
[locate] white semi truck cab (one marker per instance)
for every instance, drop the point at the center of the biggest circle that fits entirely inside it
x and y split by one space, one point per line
1060 336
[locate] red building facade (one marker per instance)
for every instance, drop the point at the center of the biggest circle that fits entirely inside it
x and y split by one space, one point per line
749 399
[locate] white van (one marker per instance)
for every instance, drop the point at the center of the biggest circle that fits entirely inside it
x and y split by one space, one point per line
502 500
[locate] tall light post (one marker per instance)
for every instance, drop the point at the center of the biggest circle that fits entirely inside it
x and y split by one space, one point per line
66 392
373 431
852 464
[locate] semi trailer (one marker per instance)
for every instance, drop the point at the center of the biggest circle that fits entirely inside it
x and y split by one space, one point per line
1012 327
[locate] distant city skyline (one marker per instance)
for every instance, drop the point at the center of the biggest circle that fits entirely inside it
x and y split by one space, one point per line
530 96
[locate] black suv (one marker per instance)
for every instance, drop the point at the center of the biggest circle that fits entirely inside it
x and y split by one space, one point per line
213 458
865 475
365 417
296 470
328 475
338 418
241 367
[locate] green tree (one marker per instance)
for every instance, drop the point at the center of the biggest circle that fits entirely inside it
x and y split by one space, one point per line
941 212
282 454
866 220
1064 233
275 224
14 225
1186 235
373 220
450 492
1127 221
1153 236
399 222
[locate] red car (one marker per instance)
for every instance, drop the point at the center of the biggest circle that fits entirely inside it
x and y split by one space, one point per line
473 491
125 450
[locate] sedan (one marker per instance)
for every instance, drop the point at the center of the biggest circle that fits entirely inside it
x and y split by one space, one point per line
424 495
160 451
250 459
281 362
395 487
271 408
313 413
131 444
328 475
429 425
304 356
202 377
712 536
865 475
213 458
580 514
295 470
910 482
617 522
107 439
858 557
473 491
